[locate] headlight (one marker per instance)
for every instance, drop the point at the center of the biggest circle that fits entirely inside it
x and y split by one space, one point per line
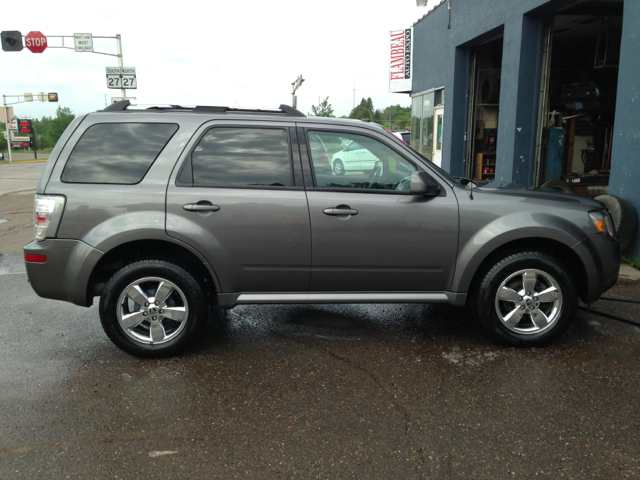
602 222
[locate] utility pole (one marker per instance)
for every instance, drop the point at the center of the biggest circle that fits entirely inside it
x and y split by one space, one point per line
295 86
354 92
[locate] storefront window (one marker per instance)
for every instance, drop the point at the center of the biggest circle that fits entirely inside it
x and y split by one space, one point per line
422 122
426 147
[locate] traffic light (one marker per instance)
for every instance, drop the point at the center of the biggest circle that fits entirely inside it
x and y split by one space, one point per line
11 41
53 97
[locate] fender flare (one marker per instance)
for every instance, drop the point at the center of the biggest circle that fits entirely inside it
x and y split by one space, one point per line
506 230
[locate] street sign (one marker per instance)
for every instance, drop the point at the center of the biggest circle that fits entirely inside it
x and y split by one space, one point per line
83 42
9 114
36 42
42 97
28 97
121 77
11 41
119 99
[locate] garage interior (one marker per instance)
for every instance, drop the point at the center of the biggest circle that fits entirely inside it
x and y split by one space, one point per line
579 83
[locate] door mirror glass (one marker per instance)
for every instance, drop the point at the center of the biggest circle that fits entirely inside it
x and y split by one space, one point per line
423 184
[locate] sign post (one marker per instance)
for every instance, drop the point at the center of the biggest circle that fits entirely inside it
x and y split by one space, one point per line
8 132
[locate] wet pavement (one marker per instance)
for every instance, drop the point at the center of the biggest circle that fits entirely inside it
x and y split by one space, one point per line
20 177
318 391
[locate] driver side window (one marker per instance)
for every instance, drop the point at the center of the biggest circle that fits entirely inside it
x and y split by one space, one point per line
350 161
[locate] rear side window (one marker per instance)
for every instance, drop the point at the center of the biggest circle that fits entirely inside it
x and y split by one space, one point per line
119 153
243 157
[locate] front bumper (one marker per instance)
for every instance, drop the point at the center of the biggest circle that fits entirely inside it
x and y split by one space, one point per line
66 273
601 257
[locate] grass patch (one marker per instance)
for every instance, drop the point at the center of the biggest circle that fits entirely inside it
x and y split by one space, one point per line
634 262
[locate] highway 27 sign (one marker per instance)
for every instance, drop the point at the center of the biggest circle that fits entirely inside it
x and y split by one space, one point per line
121 77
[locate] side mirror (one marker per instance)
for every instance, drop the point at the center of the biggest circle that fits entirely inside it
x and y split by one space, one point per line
423 184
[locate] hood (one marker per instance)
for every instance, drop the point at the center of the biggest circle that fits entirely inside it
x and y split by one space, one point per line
521 191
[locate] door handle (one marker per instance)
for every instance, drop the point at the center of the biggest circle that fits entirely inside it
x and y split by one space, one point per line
340 211
194 207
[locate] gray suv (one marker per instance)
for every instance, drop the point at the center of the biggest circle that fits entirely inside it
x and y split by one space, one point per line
165 213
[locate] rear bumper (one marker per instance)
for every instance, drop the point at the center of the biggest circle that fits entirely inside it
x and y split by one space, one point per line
601 257
66 273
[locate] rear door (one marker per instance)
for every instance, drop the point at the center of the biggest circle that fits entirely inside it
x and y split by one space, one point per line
368 233
238 199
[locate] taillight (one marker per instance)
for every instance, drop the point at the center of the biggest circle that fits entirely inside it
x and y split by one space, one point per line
47 210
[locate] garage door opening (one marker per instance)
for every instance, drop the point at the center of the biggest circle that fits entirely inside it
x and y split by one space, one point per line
578 97
486 68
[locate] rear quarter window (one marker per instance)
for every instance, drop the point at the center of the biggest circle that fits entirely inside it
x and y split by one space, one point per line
117 153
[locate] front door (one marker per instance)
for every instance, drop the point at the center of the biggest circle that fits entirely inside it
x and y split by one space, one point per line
437 135
370 235
236 202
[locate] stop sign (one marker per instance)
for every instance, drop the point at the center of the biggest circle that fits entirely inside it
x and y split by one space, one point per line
36 42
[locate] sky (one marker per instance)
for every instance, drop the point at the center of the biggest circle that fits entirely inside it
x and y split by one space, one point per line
230 53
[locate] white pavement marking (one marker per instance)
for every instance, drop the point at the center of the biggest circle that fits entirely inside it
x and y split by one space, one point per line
166 452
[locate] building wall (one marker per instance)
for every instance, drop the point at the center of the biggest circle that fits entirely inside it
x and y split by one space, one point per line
442 42
625 155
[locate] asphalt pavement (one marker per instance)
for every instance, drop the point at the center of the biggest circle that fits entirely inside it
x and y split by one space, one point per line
312 391
20 177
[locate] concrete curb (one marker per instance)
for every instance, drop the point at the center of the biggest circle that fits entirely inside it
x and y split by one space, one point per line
21 162
628 275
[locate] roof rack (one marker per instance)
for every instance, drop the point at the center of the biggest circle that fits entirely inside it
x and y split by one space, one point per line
286 109
117 106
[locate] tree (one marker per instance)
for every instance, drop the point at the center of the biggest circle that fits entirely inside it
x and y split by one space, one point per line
364 110
324 109
63 118
398 116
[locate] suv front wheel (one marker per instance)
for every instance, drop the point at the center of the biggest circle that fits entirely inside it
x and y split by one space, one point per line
152 308
526 299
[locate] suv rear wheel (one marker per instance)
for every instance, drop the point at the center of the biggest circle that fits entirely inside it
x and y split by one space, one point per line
152 308
526 299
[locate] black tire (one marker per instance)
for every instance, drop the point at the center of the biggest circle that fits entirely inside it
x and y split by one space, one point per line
164 329
558 186
530 330
338 167
624 217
